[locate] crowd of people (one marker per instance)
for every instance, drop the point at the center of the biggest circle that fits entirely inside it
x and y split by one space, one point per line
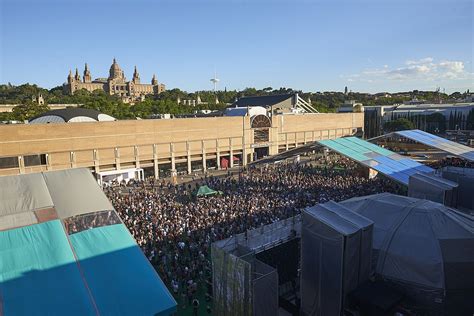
451 162
175 229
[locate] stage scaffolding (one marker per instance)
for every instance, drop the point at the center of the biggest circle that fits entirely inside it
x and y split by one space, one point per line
242 284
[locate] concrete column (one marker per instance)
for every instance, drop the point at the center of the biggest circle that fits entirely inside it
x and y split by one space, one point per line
137 157
48 162
188 149
95 156
287 146
304 138
117 158
296 139
231 153
244 152
203 151
312 136
21 165
72 158
173 162
156 170
218 155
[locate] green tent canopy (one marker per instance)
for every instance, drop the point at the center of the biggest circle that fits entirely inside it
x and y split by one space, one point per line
205 190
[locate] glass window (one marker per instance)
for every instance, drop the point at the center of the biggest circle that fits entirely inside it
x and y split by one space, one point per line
35 160
261 135
8 162
82 222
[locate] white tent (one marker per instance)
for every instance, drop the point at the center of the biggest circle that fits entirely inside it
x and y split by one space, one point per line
33 198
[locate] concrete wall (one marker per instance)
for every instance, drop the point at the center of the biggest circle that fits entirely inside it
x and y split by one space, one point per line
150 143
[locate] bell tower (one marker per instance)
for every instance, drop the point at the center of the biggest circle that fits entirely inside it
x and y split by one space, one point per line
87 75
154 81
77 77
70 77
136 76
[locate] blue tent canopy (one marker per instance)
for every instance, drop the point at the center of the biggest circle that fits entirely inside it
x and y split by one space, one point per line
104 254
38 273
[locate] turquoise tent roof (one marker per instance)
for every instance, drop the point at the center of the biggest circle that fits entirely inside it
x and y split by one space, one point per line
99 271
119 276
38 273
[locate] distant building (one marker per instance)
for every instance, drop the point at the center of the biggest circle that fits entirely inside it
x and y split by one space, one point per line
4 108
38 99
243 111
455 116
350 107
115 84
276 104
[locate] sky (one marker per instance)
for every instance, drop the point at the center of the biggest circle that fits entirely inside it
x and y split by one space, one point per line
320 45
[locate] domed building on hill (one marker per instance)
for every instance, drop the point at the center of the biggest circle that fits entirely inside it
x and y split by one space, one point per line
115 84
71 115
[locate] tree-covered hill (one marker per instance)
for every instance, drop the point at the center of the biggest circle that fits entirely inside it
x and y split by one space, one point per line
167 102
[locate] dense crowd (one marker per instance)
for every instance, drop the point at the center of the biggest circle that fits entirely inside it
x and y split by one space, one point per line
453 162
175 229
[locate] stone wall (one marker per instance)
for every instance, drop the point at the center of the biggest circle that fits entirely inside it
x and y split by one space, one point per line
149 143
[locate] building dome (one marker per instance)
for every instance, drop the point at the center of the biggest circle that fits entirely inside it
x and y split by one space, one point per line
115 71
71 115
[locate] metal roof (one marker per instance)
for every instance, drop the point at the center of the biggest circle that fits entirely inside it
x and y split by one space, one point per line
440 143
265 101
69 114
392 165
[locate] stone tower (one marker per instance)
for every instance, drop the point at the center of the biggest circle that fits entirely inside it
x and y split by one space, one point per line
154 81
77 77
87 75
70 78
136 76
38 99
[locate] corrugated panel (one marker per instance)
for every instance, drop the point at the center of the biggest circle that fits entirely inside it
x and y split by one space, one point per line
439 143
380 159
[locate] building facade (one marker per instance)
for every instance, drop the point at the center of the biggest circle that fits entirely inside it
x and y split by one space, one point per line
115 84
432 118
161 147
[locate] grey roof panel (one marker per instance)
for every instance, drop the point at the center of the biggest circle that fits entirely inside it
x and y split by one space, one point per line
392 165
264 101
439 143
70 113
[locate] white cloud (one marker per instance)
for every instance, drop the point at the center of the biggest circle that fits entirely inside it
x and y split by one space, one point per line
452 66
426 60
424 69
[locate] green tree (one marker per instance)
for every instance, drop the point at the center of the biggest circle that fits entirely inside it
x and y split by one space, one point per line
28 111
